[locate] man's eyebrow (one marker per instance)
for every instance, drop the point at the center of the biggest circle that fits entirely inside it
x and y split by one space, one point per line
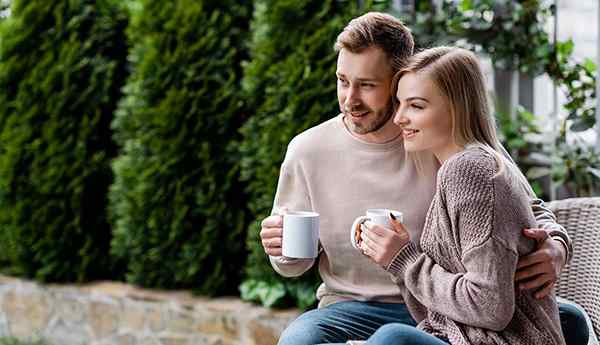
371 80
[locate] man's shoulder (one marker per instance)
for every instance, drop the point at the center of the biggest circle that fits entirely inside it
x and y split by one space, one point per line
315 139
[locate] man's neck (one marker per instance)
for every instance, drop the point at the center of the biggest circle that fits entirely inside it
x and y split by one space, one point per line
385 134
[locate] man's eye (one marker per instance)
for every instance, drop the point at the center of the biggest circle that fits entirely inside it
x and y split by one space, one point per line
367 85
342 81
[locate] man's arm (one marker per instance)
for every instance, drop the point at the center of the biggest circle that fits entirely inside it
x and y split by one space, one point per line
541 269
547 220
292 193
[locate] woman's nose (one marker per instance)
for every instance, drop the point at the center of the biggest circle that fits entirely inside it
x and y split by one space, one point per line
399 118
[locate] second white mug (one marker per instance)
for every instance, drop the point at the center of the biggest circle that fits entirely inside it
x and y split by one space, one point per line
379 216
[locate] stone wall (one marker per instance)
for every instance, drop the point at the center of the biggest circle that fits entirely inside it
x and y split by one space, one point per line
119 314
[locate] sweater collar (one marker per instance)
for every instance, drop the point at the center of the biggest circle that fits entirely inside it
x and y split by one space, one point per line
391 145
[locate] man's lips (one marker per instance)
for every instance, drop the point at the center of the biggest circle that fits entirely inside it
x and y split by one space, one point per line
357 113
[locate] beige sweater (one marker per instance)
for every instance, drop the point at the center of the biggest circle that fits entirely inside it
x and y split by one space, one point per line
461 287
329 171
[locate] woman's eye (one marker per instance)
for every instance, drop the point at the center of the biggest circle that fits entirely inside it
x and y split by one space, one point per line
416 106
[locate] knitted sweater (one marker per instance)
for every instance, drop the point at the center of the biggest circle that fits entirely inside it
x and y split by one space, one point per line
461 286
328 170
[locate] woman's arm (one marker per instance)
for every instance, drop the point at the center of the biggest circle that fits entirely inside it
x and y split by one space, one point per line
483 294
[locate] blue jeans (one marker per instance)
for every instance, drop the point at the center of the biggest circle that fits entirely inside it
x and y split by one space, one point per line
574 327
400 334
572 322
355 320
342 321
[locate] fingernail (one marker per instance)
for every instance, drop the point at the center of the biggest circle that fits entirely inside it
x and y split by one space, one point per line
392 216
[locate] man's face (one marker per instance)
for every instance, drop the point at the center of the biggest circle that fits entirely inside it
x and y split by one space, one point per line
363 89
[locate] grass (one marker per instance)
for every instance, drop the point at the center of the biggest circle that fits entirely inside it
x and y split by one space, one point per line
15 341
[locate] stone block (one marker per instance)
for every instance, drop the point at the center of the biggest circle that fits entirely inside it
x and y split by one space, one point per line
70 309
180 321
63 333
149 340
27 313
104 318
175 340
224 324
133 317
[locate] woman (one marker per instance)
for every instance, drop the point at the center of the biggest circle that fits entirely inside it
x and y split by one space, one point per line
459 275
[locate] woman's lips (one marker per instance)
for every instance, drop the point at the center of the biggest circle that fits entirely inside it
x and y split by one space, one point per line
409 133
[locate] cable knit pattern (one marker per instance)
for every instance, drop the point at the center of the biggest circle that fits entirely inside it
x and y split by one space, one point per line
461 286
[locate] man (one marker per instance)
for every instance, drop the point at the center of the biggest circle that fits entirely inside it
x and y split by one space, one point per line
356 161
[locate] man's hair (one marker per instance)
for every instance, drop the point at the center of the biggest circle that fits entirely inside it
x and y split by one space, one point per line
381 30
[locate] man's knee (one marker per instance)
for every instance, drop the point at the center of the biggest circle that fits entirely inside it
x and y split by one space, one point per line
305 330
573 324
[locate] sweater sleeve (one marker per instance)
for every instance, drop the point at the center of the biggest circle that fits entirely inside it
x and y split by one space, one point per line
482 294
545 218
292 192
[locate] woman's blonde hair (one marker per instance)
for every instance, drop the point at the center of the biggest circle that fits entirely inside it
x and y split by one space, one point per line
457 74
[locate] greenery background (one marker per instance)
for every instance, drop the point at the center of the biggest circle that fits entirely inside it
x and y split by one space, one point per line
141 140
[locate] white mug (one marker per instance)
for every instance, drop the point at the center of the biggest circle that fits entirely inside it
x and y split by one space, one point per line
379 216
300 234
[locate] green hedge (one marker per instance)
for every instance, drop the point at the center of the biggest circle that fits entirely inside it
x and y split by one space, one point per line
176 207
62 64
290 84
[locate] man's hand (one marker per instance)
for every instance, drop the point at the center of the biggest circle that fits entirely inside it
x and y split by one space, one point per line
271 233
540 270
382 244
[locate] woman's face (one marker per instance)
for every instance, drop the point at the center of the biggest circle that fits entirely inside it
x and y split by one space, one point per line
423 114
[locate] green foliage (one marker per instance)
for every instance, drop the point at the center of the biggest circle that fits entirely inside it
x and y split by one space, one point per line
15 341
578 81
278 294
62 64
527 145
513 34
175 206
576 167
290 85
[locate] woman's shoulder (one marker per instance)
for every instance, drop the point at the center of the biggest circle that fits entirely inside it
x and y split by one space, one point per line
474 163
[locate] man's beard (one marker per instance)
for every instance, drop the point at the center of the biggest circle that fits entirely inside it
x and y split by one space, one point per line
379 120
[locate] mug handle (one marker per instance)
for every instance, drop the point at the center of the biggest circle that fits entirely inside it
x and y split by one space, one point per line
355 230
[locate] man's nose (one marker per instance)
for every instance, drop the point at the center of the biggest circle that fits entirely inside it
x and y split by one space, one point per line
352 98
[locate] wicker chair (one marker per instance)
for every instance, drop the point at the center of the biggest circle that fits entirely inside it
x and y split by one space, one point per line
580 280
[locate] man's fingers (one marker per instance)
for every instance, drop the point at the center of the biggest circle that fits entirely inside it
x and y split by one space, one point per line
545 291
273 251
535 283
529 272
274 242
267 233
274 221
530 259
540 235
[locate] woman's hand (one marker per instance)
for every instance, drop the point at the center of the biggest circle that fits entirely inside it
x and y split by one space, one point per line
382 244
